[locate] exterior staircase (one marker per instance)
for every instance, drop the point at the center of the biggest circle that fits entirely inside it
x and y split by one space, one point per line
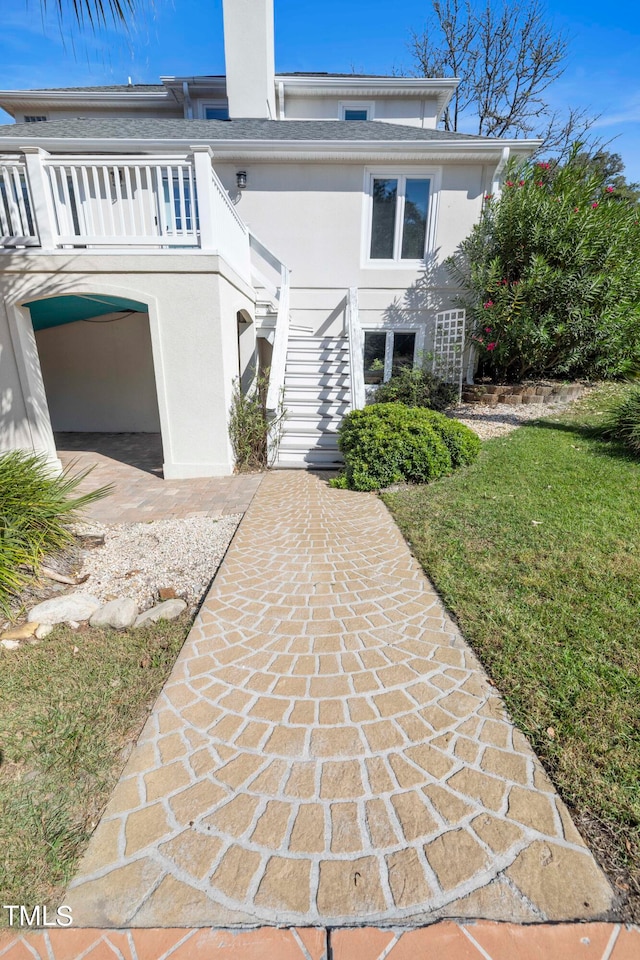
317 394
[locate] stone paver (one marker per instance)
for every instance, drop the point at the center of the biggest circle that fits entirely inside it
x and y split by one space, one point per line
132 462
328 751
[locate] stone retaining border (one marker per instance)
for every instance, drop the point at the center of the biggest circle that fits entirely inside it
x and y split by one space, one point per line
491 394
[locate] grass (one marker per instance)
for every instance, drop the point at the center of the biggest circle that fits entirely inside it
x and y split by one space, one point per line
71 707
536 550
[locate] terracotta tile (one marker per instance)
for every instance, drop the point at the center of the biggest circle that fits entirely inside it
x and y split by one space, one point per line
314 941
69 943
444 941
267 943
569 941
627 945
19 950
364 943
154 943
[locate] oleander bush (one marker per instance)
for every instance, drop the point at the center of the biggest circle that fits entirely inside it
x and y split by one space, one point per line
624 423
390 443
416 388
36 508
550 276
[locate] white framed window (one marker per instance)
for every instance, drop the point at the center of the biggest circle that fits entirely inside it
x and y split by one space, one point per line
399 224
34 119
214 109
386 352
356 110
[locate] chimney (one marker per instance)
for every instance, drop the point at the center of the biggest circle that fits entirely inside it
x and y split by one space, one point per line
250 59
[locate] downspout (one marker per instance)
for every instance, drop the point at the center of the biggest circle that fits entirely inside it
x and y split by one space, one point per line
504 159
188 107
281 100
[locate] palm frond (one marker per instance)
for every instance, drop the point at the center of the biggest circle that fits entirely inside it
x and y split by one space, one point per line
94 12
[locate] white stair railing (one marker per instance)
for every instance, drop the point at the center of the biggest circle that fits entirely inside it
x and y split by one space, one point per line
17 222
280 343
355 337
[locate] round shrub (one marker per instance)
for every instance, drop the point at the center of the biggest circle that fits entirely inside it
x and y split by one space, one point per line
389 443
461 442
624 424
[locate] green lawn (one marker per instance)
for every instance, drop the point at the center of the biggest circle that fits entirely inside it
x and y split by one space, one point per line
536 550
70 710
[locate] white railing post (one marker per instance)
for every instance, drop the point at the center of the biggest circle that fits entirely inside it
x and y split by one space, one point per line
356 350
40 196
279 355
202 157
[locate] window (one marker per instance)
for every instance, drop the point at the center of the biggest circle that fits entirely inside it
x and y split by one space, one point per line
31 119
215 110
386 352
356 111
399 217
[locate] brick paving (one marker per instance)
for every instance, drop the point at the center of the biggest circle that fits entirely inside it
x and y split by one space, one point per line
328 751
132 462
444 941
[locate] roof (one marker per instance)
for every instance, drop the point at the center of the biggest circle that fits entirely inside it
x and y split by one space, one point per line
191 131
113 88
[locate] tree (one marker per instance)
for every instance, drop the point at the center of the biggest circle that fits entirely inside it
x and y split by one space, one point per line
609 168
550 277
93 12
506 56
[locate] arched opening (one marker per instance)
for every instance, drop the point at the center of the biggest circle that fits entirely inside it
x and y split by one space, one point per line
97 368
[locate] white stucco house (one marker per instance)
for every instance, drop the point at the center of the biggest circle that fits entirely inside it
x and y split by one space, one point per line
158 241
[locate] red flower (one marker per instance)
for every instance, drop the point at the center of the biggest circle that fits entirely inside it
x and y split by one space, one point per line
487 329
488 196
521 183
540 183
543 166
488 304
594 205
491 346
609 189
509 183
575 209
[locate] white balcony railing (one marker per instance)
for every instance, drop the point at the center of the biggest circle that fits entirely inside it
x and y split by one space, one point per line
17 226
92 202
101 202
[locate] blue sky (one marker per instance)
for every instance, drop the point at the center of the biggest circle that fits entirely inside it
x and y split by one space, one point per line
184 37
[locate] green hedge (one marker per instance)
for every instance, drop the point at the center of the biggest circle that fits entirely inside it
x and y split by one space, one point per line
624 423
416 388
389 443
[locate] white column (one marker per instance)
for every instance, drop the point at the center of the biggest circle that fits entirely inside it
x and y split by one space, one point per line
40 196
202 157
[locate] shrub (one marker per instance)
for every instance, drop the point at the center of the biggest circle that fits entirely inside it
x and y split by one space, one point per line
36 507
416 388
550 276
624 423
254 435
461 442
389 443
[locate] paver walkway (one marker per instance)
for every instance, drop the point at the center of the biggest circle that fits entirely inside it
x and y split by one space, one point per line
132 462
328 751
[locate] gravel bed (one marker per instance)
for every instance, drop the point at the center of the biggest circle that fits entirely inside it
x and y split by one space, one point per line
495 421
138 559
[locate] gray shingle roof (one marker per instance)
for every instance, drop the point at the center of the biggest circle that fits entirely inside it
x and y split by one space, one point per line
122 128
114 88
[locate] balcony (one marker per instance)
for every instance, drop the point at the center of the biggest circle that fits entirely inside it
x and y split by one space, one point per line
100 202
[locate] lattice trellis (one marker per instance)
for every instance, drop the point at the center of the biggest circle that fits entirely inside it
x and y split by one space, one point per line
448 347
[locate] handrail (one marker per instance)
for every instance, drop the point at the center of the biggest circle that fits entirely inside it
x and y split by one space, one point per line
355 339
279 356
226 199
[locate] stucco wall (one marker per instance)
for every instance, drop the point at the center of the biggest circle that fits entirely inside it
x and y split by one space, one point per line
99 376
193 305
407 110
314 215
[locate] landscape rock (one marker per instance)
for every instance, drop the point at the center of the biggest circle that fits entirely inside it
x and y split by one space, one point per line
23 632
10 644
43 630
118 614
70 607
168 610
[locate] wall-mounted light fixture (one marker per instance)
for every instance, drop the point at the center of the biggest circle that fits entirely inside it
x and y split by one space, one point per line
241 179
